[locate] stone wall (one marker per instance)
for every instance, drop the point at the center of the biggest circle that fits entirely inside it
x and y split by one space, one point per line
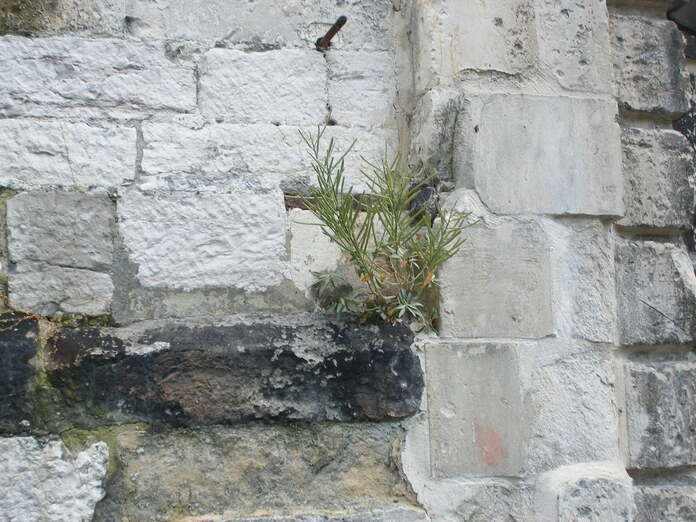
161 357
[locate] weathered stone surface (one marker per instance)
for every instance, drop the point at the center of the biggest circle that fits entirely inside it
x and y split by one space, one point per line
186 375
540 154
666 503
574 43
661 414
34 153
48 16
286 87
188 240
687 123
583 277
310 250
46 289
658 166
63 229
41 481
656 290
649 65
18 343
218 157
373 515
585 493
487 291
246 25
449 44
222 473
69 71
362 87
524 407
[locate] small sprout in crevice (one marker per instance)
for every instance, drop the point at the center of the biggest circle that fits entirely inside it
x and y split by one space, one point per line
395 236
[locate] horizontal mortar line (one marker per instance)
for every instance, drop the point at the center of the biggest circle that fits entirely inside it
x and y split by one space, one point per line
649 233
652 476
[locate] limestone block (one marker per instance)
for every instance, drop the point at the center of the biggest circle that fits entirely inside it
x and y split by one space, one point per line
70 71
286 86
64 229
310 250
35 153
458 36
49 16
217 157
514 409
583 277
264 24
18 344
47 289
585 493
189 240
665 503
649 65
658 166
661 414
574 43
42 481
362 87
276 471
489 291
237 372
537 154
656 290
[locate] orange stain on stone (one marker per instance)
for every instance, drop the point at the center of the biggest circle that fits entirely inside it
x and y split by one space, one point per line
490 445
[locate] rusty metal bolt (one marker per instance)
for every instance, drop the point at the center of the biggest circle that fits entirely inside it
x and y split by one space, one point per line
324 42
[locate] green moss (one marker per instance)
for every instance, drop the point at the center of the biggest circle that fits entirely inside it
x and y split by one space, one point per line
25 16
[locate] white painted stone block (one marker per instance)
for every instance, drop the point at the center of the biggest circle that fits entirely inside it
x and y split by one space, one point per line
649 65
456 36
540 154
658 166
264 24
310 249
362 88
35 153
42 481
187 240
64 229
656 289
285 87
70 71
667 503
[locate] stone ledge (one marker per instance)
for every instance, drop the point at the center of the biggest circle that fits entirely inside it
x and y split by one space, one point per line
235 373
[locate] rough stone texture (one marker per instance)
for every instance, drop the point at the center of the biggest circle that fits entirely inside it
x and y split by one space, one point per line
223 473
362 87
687 123
658 166
477 295
186 375
63 229
525 408
34 153
310 250
449 44
649 65
42 481
18 343
217 157
585 493
661 414
284 86
667 504
656 290
264 24
46 289
574 43
188 240
540 154
584 290
69 71
61 248
48 16
373 515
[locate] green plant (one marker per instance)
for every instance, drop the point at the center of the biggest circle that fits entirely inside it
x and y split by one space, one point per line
395 251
